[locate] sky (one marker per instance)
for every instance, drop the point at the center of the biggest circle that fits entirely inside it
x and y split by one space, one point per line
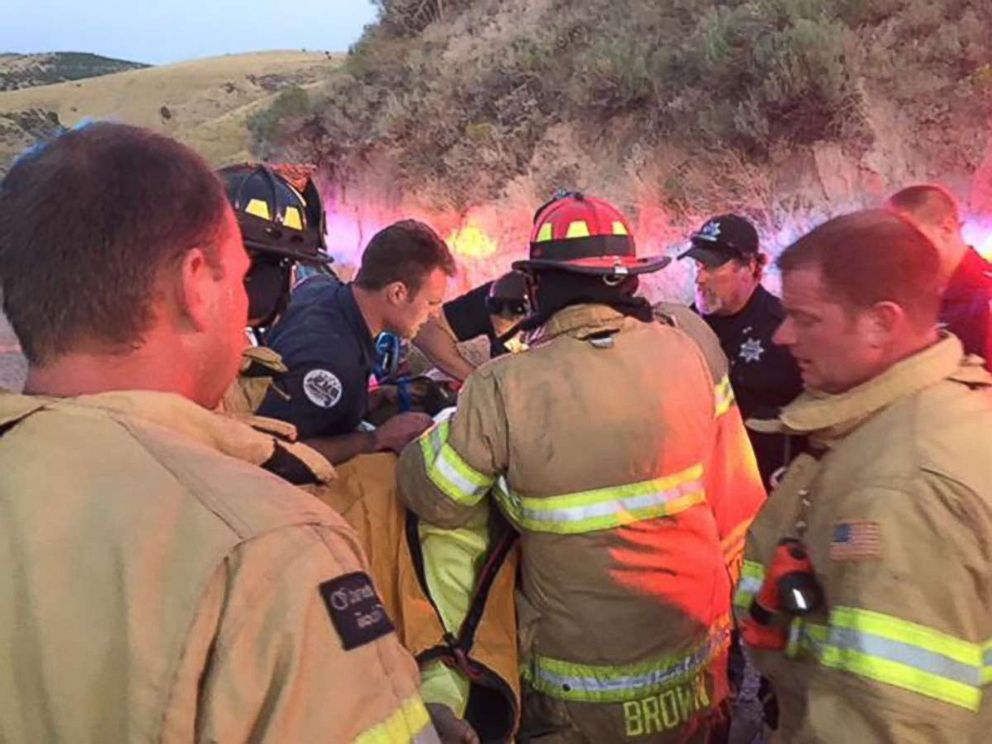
164 31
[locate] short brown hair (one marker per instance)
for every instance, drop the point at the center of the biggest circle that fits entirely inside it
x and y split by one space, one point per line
929 203
406 251
87 223
869 257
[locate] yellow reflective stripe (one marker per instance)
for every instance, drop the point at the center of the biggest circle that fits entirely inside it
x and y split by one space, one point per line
619 228
406 724
905 655
806 638
611 684
752 575
987 663
447 470
258 208
724 395
293 218
577 229
545 233
733 543
903 676
604 508
893 628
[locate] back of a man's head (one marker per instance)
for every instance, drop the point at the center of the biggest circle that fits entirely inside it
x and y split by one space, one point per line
88 224
870 257
406 251
927 204
934 212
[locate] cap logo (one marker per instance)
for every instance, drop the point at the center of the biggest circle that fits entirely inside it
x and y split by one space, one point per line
710 231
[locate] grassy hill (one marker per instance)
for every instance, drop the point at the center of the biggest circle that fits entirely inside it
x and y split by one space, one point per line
204 103
29 70
783 110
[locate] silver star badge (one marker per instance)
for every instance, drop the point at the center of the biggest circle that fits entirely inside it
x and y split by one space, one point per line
751 350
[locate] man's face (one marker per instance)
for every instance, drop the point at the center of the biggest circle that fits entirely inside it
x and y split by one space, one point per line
724 289
230 314
414 308
832 345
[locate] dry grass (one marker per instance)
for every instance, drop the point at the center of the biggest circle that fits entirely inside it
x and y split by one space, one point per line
203 103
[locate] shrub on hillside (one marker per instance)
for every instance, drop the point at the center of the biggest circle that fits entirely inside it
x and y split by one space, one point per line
459 111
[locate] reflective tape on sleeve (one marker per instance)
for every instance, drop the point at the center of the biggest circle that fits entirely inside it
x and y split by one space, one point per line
409 724
604 508
447 469
752 575
724 395
903 654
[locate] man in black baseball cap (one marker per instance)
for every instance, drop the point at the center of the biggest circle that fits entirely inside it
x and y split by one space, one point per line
744 315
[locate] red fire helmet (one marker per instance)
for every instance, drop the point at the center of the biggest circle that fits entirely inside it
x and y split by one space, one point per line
586 235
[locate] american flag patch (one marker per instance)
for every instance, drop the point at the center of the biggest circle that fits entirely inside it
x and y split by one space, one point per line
855 541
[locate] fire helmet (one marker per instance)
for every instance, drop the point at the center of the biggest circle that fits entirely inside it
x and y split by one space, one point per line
508 294
275 217
586 235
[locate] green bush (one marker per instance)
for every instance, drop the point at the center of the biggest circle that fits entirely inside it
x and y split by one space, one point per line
268 125
453 110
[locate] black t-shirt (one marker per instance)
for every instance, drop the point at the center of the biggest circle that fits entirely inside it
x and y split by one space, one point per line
764 376
469 318
324 341
964 308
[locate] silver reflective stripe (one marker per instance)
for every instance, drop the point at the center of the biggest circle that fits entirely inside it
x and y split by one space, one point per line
611 507
444 473
463 484
610 683
904 653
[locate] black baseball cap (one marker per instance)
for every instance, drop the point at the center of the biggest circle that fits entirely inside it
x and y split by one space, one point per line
721 239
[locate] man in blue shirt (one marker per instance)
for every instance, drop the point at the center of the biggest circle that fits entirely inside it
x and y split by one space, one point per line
327 335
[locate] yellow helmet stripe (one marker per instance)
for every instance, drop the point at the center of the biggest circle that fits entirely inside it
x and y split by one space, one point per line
578 229
293 218
619 228
544 234
258 208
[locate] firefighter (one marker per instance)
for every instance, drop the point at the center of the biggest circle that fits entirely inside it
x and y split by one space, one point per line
281 228
865 595
624 465
493 310
449 594
158 584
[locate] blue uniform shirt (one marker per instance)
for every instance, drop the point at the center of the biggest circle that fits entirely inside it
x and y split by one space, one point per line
324 341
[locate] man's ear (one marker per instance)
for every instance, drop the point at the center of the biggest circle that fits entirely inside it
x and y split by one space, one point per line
196 290
882 321
397 293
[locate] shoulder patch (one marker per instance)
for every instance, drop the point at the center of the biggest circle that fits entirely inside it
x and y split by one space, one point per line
855 541
355 610
322 388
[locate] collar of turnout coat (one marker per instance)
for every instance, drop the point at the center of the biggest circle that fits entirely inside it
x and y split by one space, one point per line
237 438
830 417
580 321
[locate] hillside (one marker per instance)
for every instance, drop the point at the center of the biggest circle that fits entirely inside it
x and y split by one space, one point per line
470 112
205 103
29 70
